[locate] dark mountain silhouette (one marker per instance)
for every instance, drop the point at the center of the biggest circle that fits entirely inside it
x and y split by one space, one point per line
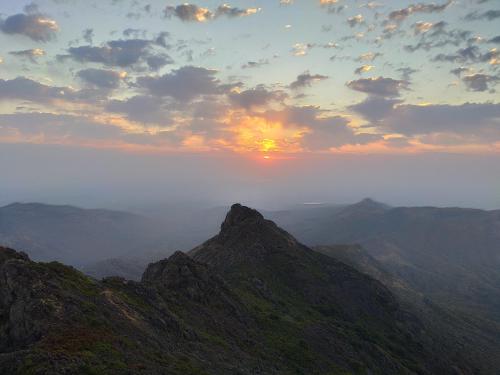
251 300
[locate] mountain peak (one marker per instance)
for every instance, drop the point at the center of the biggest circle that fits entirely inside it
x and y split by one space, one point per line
246 226
366 206
240 215
245 236
369 202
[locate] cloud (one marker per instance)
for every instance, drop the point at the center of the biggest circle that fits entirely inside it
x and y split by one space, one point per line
22 88
332 132
143 109
255 64
319 131
480 82
492 57
37 27
135 33
460 70
123 53
194 13
371 5
231 12
363 69
369 56
466 123
403 13
158 61
301 49
489 15
407 72
324 132
31 54
435 35
375 108
100 78
470 54
306 79
55 128
257 97
426 27
355 20
26 89
183 84
422 27
332 7
462 55
380 86
478 120
390 30
88 35
189 13
495 40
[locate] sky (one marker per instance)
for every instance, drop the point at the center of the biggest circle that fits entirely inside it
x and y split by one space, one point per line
264 101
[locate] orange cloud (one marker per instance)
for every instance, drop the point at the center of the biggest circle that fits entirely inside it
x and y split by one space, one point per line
254 133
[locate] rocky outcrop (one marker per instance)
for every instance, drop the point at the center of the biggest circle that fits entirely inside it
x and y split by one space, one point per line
27 300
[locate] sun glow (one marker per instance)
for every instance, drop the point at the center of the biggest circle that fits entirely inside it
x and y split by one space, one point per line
258 134
268 145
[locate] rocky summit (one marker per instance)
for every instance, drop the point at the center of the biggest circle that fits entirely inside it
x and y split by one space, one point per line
251 300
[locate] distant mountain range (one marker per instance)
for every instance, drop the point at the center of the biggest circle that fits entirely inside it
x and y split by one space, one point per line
73 235
79 236
250 300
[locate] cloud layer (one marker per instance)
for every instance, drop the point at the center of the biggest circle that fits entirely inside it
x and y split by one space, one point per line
281 77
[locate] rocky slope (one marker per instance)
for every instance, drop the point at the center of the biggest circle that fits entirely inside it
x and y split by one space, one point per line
452 255
481 337
251 300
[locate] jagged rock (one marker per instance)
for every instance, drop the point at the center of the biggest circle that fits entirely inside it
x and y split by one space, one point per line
181 275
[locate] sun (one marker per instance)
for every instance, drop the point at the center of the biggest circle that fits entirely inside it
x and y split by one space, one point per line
263 136
268 145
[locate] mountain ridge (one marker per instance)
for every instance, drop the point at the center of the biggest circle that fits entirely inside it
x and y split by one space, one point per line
278 307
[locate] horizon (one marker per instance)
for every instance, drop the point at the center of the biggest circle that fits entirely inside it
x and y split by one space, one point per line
158 206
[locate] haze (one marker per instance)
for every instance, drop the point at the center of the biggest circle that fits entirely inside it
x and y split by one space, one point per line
99 178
